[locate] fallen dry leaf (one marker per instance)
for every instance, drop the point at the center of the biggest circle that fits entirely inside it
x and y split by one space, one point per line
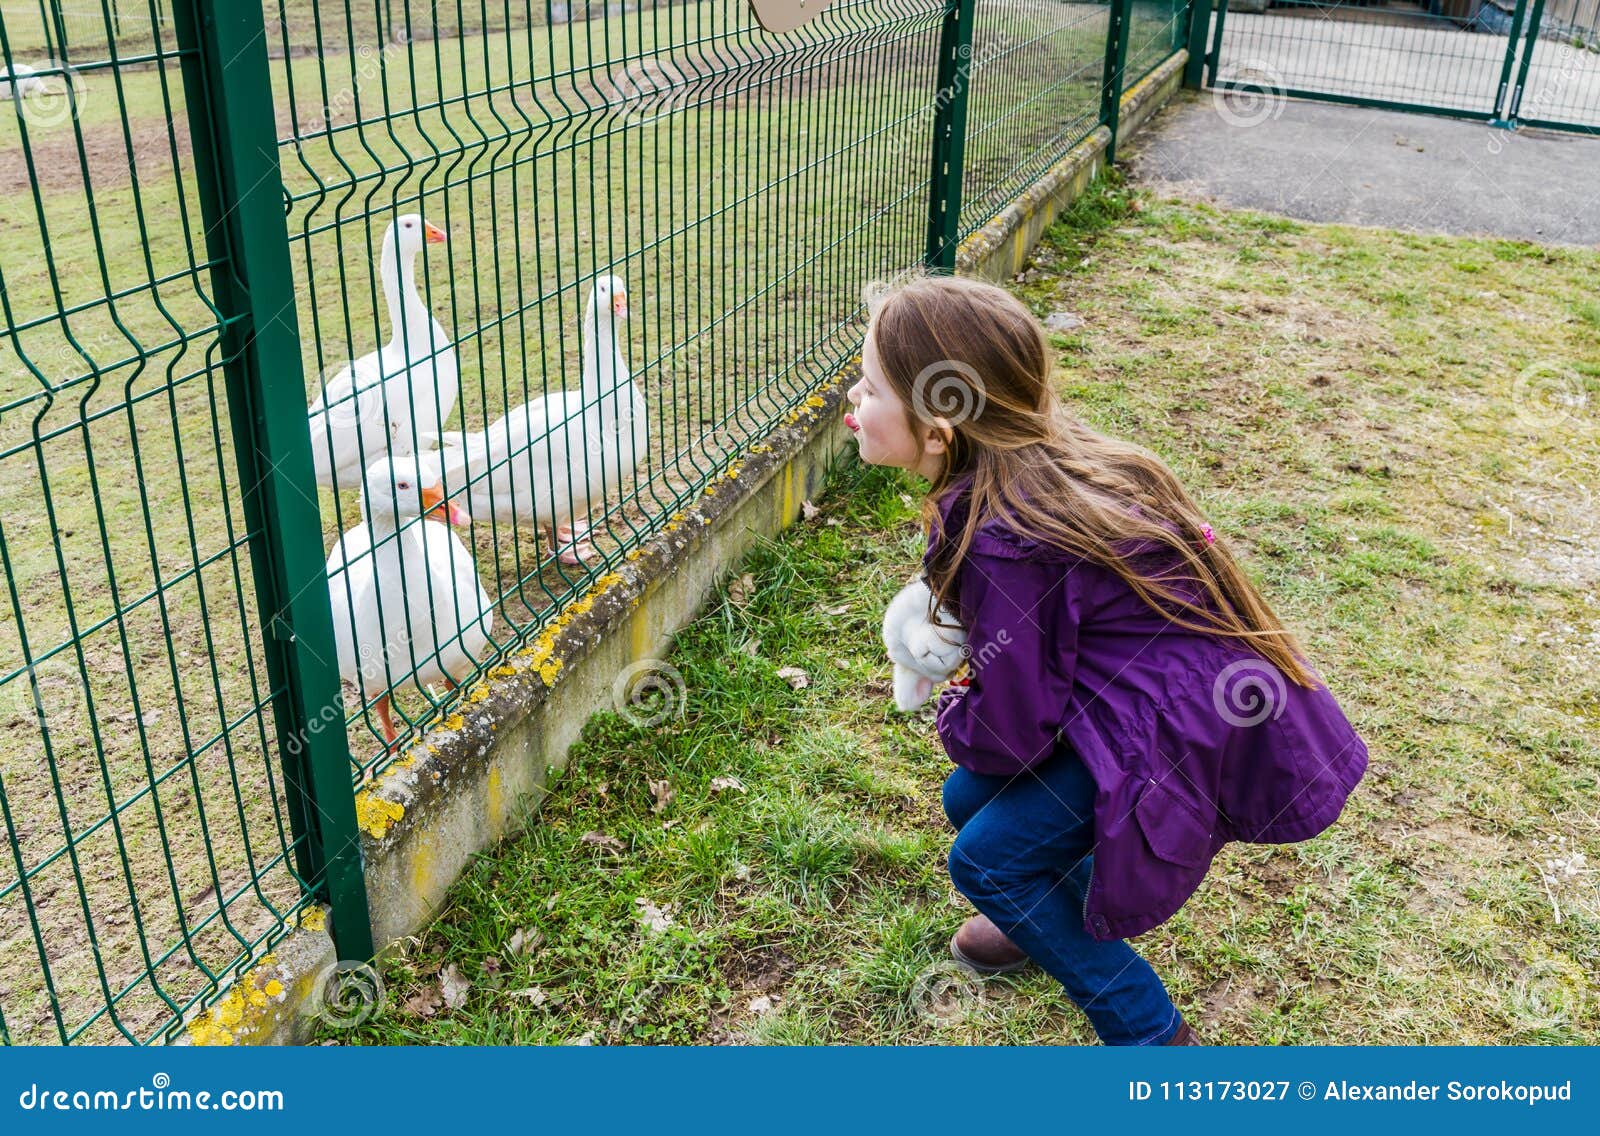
808 510
837 609
795 677
718 784
600 840
739 591
652 916
453 987
760 1004
751 647
533 994
526 940
661 793
424 1003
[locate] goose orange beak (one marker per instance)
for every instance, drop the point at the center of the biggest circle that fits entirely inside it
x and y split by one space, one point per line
619 305
432 234
436 508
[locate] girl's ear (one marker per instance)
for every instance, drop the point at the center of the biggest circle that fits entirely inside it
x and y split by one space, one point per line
939 435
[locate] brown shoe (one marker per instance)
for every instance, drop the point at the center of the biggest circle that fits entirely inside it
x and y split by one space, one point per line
985 948
1185 1036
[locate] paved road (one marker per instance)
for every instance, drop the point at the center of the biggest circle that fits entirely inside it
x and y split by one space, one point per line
1325 162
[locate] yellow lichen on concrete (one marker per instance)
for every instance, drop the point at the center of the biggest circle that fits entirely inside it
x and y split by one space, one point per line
375 815
494 799
313 919
423 865
247 1007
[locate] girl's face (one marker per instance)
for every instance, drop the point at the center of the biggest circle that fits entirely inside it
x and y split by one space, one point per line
883 426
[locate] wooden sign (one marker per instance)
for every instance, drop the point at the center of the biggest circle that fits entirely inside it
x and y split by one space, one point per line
786 15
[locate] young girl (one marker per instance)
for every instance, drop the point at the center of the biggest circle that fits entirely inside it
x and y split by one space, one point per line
1132 702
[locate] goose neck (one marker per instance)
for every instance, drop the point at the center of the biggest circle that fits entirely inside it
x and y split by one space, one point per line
410 324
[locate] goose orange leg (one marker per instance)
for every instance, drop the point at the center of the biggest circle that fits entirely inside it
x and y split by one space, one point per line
384 716
570 539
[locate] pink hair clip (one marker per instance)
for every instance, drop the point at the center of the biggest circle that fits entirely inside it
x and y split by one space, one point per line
1211 537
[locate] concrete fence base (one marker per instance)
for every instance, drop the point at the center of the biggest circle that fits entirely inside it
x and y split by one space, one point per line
481 773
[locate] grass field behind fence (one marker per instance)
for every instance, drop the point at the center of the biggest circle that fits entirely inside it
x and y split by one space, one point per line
745 186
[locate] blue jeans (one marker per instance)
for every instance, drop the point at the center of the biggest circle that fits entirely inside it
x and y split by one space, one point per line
1023 854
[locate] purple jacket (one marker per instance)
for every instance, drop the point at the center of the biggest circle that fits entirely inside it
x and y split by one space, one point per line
1192 739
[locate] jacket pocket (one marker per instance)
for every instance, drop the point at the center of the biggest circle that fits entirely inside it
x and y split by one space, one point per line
1171 826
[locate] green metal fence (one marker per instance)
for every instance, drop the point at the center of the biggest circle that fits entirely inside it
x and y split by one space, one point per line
204 198
1511 62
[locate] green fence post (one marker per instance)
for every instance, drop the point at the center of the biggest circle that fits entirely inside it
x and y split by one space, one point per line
1112 75
1501 111
1199 26
1513 106
949 135
1214 56
228 90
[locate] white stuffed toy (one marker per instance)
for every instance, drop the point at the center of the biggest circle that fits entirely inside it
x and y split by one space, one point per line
922 653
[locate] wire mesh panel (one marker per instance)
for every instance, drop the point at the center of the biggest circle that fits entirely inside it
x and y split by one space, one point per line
148 853
600 253
1035 93
1155 30
1559 83
1403 55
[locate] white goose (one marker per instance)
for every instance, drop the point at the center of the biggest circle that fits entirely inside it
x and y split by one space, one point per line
408 607
387 400
551 460
21 80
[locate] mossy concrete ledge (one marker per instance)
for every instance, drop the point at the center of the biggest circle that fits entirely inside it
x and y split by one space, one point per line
480 773
999 250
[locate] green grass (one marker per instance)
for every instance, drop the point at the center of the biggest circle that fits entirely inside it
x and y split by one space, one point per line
1355 436
746 217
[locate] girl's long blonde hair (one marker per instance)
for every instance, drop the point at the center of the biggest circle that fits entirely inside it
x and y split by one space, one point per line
967 355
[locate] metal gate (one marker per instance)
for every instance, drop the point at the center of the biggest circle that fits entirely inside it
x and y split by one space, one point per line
1509 62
